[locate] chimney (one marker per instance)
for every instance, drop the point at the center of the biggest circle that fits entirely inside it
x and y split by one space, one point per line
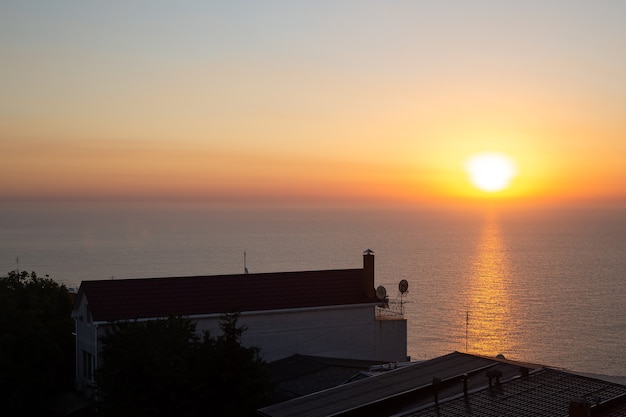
579 407
465 383
494 373
368 273
436 386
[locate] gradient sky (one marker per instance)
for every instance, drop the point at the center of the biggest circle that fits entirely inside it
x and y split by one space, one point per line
337 102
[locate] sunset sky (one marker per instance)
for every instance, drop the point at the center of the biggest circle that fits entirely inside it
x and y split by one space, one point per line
331 103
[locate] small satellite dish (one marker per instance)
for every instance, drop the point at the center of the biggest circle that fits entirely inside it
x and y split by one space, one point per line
403 286
381 292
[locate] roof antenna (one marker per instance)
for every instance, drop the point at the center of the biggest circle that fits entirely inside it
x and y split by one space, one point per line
467 314
245 267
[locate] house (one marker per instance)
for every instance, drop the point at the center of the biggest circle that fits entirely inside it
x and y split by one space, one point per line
460 384
329 313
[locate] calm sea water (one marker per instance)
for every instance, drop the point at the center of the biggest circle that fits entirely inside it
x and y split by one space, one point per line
545 287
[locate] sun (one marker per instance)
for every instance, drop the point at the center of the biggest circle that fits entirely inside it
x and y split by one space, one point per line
490 172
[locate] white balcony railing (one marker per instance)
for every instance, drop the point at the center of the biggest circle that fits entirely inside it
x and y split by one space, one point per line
391 309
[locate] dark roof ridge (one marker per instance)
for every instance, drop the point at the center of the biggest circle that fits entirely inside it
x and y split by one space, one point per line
251 274
141 298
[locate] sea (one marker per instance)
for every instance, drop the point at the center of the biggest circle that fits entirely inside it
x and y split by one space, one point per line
545 286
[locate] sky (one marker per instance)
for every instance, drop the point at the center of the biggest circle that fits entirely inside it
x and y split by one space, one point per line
347 103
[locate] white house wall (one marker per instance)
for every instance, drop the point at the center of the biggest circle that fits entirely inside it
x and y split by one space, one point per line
87 340
342 332
351 332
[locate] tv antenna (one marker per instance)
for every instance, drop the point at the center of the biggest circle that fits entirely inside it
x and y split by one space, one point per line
466 328
245 267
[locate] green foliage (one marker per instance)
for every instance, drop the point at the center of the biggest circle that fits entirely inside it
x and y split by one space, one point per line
36 343
243 381
162 367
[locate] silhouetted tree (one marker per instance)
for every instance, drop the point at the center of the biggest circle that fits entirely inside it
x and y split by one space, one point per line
36 343
162 368
241 378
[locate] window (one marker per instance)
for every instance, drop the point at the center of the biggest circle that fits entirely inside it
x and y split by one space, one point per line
88 365
87 314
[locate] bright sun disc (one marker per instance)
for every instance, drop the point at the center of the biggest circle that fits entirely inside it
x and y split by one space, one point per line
490 171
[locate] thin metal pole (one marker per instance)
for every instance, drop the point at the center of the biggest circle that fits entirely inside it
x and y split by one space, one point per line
466 328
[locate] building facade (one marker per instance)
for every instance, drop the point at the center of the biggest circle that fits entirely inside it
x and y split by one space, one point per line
329 313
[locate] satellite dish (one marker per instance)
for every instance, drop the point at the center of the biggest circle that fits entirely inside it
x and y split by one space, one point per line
381 292
403 286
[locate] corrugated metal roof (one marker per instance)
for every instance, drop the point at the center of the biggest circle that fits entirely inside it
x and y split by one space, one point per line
298 365
617 410
546 392
396 383
408 392
299 375
125 299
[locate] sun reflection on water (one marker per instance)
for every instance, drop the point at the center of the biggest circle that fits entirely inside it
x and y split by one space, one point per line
489 320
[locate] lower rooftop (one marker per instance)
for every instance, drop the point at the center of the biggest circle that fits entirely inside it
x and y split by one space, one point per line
460 384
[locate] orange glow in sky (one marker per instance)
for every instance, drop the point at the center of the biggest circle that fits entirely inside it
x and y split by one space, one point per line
342 103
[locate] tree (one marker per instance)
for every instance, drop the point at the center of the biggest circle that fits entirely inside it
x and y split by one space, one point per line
162 367
241 378
36 343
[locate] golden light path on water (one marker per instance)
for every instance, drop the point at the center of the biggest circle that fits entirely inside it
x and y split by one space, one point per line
489 320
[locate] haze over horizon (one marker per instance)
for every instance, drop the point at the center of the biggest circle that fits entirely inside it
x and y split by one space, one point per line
337 103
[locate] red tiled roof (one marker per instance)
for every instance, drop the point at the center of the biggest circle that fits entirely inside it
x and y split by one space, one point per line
125 299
